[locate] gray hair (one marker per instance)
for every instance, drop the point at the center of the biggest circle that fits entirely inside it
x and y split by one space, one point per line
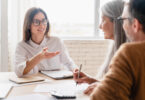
112 10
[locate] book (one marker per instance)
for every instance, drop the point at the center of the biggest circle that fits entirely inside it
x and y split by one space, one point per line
26 79
59 74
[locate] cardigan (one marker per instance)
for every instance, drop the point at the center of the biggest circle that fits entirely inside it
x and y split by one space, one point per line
125 79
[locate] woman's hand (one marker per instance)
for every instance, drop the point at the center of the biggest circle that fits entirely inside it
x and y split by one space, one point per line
46 55
83 78
90 89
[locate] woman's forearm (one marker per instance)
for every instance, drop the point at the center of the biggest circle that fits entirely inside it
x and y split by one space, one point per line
32 63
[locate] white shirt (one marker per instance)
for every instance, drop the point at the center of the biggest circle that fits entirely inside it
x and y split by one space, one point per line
26 51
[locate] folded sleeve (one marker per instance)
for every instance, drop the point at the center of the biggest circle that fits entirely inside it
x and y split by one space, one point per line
117 83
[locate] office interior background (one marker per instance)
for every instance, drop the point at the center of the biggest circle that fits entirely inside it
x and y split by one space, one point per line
75 21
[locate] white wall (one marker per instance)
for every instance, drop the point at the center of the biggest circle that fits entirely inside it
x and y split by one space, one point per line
4 36
0 35
90 53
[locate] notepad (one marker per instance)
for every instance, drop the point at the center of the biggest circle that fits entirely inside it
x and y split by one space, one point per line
4 89
27 79
61 74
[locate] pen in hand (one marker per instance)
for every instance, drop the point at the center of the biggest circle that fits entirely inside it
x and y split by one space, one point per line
79 73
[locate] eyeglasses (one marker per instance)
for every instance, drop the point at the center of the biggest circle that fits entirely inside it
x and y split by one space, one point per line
122 19
37 22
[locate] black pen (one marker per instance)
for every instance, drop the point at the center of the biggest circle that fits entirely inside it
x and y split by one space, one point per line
79 72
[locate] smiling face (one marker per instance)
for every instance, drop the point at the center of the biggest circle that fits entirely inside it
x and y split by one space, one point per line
107 27
39 25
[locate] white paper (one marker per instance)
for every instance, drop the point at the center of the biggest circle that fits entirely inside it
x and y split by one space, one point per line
67 86
81 87
4 89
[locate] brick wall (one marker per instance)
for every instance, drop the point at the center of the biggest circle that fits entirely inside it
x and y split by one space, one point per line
90 53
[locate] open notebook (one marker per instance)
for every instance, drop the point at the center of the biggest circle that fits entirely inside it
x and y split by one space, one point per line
60 74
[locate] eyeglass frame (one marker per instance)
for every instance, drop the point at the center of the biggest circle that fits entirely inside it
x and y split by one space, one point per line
40 22
122 19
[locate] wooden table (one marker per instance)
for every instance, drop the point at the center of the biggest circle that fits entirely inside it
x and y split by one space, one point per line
28 89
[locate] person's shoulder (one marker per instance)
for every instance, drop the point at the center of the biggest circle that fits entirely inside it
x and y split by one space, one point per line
131 48
21 43
21 46
133 45
53 39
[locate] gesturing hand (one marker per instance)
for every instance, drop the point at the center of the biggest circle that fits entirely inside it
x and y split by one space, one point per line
46 55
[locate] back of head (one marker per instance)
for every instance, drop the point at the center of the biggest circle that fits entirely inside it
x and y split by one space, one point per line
137 10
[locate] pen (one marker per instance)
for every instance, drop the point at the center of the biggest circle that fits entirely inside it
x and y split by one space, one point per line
79 72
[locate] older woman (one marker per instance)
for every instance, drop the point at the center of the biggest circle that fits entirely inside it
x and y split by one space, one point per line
112 30
32 53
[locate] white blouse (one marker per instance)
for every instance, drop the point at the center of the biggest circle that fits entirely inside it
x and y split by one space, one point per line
26 50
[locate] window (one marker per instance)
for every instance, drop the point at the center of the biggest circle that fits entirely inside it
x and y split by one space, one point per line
68 18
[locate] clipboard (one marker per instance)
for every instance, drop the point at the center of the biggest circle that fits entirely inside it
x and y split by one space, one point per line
59 74
27 79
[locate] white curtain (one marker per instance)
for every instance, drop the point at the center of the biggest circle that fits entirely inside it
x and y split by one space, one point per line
16 13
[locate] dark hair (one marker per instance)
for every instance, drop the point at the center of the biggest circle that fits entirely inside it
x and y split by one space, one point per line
137 10
29 20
